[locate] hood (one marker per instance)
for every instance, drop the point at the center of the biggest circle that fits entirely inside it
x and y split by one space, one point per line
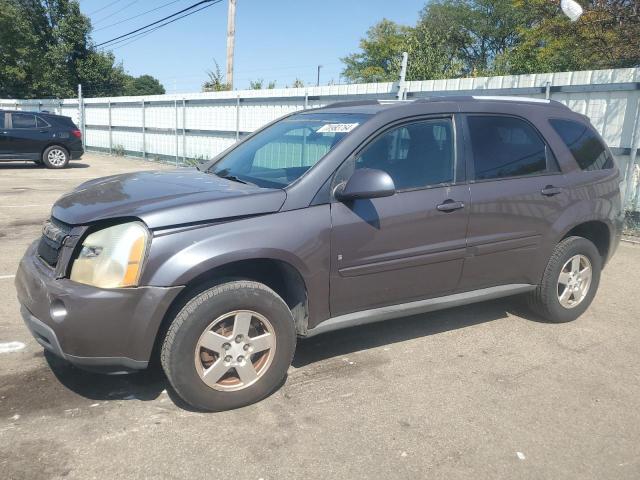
165 198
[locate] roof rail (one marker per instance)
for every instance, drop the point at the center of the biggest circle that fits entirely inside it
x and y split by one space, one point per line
353 103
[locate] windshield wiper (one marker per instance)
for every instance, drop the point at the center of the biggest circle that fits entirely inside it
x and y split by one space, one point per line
224 173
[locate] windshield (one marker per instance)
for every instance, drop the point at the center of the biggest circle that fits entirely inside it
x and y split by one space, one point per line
283 152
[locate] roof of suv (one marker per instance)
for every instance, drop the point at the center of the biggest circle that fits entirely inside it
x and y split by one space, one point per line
376 106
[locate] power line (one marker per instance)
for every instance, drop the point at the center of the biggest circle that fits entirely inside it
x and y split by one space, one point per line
100 20
158 21
105 7
137 16
139 36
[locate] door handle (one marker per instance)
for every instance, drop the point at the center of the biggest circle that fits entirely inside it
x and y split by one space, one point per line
550 191
450 206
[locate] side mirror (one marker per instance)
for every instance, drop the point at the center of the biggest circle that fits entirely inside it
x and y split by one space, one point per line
366 183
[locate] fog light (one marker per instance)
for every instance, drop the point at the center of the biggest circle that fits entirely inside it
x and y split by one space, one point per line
57 311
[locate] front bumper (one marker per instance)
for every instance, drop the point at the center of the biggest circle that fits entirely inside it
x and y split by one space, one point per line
99 329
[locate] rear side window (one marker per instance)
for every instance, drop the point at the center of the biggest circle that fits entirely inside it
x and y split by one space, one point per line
23 120
507 147
584 144
1 120
41 123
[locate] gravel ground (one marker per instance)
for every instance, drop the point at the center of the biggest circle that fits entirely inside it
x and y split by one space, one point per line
483 391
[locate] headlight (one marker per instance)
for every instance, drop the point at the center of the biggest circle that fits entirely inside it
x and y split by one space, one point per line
112 257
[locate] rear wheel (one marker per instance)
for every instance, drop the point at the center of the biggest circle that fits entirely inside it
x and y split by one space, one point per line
55 156
570 281
230 346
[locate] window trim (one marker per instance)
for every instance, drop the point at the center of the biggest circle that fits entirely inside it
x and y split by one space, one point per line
587 126
470 160
457 147
47 124
24 128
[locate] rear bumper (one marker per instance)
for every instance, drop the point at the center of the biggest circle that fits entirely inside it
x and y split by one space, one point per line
98 329
76 154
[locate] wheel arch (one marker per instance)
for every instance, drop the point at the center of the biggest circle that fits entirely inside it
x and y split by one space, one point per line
279 275
597 231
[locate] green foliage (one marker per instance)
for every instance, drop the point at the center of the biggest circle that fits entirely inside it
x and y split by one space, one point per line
454 38
606 36
297 83
143 85
379 60
46 51
259 84
216 82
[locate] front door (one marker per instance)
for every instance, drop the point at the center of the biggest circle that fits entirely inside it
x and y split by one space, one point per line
411 245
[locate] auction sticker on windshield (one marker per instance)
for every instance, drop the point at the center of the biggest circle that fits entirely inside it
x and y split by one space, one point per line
337 127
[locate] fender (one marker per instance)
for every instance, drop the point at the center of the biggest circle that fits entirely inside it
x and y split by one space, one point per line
300 238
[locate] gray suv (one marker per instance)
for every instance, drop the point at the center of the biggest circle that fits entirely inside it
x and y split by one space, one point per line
325 219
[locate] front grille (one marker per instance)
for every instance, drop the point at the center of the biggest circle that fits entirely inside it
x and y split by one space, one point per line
53 234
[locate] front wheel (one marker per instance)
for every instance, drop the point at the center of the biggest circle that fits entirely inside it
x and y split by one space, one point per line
55 157
229 346
570 281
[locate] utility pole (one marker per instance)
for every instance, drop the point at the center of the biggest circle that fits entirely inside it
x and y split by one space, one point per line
402 90
231 40
318 79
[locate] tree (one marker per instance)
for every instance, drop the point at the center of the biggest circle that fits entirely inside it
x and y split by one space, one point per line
143 85
216 82
473 32
606 36
46 51
379 59
259 84
297 83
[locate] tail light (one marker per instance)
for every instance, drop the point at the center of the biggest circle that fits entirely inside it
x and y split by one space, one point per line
76 133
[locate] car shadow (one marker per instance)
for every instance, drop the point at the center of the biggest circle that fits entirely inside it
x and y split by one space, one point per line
32 166
351 340
151 383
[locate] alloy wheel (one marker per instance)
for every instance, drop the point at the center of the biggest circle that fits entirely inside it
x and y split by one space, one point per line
235 350
574 281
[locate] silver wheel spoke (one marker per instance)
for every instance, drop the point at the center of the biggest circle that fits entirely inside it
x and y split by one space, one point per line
564 298
212 374
241 324
564 278
586 272
262 342
575 265
247 372
214 341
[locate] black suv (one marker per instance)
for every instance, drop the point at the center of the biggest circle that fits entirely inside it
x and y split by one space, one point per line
325 219
47 139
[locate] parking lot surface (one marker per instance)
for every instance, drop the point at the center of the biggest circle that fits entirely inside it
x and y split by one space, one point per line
484 391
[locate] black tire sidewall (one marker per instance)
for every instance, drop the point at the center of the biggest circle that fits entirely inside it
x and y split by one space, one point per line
574 246
179 348
45 161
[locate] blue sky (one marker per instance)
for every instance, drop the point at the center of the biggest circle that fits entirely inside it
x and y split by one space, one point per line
275 39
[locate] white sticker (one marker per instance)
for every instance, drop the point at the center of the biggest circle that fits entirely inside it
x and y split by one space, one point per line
337 127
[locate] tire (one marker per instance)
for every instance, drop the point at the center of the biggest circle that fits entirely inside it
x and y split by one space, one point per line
55 157
546 301
217 315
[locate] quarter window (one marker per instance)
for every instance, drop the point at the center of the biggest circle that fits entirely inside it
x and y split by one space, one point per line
41 123
584 144
1 120
506 147
415 155
23 120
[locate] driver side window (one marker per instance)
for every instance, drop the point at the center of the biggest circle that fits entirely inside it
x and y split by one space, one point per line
415 155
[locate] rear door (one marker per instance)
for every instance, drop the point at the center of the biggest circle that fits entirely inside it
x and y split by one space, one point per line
28 135
517 195
411 245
